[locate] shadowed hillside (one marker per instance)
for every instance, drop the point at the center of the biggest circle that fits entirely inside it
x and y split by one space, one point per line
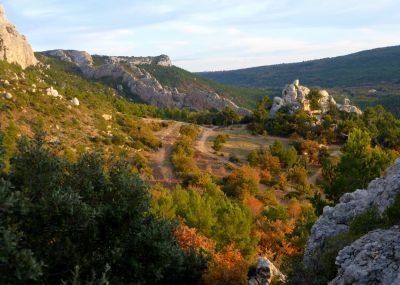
363 68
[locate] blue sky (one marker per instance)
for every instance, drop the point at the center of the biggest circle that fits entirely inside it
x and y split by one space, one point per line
210 35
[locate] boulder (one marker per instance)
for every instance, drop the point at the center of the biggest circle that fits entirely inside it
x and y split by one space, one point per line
325 101
74 101
8 96
52 92
348 108
265 273
372 259
107 117
14 47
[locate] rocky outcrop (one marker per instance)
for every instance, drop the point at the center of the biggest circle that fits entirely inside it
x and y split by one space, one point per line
372 259
379 195
162 60
346 107
266 272
295 97
74 101
53 92
14 47
142 83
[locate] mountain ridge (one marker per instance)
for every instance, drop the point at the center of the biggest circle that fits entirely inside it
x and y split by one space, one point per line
372 66
142 83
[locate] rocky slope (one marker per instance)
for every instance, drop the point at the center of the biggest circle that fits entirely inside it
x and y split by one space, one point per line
14 47
142 83
374 258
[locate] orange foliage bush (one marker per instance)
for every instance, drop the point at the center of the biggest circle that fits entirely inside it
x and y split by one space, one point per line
312 149
265 176
270 162
275 238
242 182
189 238
225 267
255 205
294 208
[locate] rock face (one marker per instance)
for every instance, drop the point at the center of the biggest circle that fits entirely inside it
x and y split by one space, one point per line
295 97
266 272
372 259
14 47
142 83
380 194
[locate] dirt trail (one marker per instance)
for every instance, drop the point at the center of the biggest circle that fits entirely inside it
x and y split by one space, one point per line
160 161
201 146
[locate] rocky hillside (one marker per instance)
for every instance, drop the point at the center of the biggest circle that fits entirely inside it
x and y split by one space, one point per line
361 232
14 47
132 74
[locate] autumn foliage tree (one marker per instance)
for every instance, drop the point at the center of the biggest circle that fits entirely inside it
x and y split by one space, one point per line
242 182
226 266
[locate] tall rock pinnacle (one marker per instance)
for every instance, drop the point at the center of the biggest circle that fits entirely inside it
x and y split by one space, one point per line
14 47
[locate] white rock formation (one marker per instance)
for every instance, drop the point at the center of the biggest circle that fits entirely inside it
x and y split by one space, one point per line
142 83
266 272
348 108
380 194
53 92
294 96
107 117
14 47
74 101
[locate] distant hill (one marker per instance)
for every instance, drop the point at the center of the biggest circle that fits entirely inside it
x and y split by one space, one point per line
365 68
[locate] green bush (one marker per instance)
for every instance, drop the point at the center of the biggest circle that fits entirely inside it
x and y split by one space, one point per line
84 221
219 141
365 222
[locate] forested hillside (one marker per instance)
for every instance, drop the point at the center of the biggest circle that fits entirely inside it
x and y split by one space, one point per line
369 67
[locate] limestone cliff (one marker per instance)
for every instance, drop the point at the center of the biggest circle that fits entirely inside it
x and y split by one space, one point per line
375 257
142 83
14 47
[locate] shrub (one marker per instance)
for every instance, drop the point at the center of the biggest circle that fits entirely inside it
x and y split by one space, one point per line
60 217
219 141
242 181
365 222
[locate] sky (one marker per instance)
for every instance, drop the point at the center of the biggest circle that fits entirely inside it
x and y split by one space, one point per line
210 35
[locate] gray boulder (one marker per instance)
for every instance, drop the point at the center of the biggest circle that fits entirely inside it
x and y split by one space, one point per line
266 272
372 259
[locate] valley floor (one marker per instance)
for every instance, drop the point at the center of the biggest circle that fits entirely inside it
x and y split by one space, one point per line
219 163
